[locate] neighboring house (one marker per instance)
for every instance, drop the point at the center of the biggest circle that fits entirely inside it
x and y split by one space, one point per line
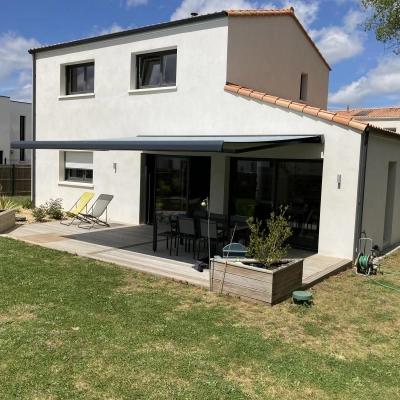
15 124
229 105
387 117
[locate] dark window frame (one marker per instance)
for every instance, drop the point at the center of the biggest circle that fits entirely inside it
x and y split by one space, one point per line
86 178
22 124
69 79
140 61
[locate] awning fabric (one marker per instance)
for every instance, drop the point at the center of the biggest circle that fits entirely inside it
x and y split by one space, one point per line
214 144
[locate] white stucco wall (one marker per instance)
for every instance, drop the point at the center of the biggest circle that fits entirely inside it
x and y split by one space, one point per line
270 54
5 127
18 109
381 151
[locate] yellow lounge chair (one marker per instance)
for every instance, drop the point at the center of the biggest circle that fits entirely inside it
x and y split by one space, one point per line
78 207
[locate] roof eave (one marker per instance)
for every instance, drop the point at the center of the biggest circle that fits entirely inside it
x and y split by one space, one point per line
135 31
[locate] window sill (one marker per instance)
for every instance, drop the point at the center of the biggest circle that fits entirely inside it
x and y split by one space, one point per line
76 96
164 89
76 184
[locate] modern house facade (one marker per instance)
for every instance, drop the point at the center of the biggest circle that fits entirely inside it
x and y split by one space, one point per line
228 106
15 124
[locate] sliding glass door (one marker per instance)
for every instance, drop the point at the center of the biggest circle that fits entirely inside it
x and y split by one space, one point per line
259 187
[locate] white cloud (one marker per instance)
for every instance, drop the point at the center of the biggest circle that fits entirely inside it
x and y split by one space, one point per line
134 3
14 54
338 43
96 31
384 80
306 13
22 94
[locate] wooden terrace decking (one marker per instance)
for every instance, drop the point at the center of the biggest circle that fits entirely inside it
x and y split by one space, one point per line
131 246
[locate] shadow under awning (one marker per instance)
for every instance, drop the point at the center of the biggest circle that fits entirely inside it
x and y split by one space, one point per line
207 144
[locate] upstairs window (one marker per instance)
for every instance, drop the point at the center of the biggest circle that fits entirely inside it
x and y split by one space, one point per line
156 69
79 78
303 86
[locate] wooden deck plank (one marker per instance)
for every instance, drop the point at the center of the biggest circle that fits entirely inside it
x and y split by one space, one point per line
131 246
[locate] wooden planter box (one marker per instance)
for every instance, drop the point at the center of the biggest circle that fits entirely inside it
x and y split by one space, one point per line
7 220
257 284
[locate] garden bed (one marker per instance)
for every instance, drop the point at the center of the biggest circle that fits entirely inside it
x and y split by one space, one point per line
271 286
7 220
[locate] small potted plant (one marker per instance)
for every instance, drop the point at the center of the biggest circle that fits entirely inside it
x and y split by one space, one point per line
267 277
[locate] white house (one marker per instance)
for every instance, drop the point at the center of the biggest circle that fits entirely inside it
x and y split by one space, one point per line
229 105
15 124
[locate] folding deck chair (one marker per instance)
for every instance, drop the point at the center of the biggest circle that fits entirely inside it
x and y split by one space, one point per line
77 208
95 212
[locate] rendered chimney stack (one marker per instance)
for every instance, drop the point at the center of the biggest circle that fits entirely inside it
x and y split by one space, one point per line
348 108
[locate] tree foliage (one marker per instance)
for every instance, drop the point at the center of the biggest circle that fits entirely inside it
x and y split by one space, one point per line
268 248
385 21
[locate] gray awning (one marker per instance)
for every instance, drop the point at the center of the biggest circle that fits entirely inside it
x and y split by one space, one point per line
221 144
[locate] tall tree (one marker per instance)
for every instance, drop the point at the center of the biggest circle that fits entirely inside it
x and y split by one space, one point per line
385 21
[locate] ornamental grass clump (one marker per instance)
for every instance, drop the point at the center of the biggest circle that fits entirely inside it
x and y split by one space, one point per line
267 244
6 203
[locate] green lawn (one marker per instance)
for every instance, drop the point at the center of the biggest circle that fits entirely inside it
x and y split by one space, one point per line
75 328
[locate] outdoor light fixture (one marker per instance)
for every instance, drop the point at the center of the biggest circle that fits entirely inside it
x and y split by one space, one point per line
115 167
205 203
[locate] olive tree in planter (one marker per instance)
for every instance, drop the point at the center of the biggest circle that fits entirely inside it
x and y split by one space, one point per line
268 277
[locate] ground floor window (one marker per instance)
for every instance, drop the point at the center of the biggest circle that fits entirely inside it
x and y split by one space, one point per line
259 187
78 166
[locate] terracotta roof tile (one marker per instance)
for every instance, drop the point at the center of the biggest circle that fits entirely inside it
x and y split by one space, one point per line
326 115
257 95
270 99
304 108
245 92
283 103
370 113
311 110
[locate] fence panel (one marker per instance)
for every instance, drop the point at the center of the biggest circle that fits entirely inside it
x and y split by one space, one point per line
15 180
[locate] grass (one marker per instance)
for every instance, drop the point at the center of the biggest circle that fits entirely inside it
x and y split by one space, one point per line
73 328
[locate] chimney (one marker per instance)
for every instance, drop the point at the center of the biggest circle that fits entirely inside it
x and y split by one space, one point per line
348 108
194 14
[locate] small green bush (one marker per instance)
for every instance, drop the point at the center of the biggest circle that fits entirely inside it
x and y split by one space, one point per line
54 208
27 203
269 249
39 213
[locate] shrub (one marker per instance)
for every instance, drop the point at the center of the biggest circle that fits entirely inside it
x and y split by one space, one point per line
39 213
27 203
269 249
54 208
6 203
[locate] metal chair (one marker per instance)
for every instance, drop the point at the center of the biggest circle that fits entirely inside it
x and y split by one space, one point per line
95 212
187 233
77 208
172 233
215 236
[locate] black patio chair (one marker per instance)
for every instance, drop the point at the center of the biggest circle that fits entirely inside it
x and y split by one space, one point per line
187 234
171 234
216 236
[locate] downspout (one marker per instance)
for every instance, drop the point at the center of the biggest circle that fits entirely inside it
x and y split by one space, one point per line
33 172
361 191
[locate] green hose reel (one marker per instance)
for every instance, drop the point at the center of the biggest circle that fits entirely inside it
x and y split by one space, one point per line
365 262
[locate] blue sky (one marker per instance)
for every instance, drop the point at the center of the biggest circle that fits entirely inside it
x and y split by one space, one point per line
363 74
